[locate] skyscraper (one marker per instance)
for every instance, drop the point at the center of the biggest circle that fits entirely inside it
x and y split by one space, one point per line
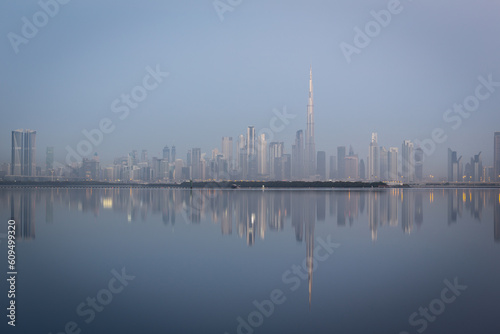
251 153
310 149
496 156
455 170
166 153
373 159
227 149
196 163
321 165
262 155
49 158
23 153
392 164
408 161
333 167
298 156
172 154
384 161
340 162
276 151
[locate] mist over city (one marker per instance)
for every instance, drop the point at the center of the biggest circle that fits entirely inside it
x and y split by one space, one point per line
249 167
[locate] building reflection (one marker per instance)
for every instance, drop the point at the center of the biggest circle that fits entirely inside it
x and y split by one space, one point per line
250 214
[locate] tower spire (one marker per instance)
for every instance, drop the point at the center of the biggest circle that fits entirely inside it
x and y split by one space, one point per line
310 156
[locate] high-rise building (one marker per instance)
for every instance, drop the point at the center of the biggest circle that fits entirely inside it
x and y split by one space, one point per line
455 170
298 156
333 167
262 155
241 156
310 147
496 156
23 153
384 161
276 151
419 164
227 149
49 158
373 160
251 153
196 163
408 161
321 165
172 154
392 164
340 162
166 153
351 163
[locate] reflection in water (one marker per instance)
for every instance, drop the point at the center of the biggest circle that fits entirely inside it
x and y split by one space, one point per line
252 215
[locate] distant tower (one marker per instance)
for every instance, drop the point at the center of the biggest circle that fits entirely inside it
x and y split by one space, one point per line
49 158
262 155
392 164
419 164
166 153
23 153
321 165
172 153
298 156
310 149
340 162
374 160
408 161
227 149
251 153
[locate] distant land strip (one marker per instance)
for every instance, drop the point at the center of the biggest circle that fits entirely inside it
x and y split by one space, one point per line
242 184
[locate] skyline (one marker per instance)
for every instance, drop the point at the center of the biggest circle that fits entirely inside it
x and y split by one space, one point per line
228 75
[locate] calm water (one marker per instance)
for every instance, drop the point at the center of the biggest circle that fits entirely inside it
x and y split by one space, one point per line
238 261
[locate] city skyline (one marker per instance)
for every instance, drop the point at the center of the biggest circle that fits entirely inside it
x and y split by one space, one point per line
227 75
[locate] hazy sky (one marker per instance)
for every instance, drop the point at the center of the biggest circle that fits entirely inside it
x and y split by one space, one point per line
227 74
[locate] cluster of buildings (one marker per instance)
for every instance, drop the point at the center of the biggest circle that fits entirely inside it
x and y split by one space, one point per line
250 157
473 170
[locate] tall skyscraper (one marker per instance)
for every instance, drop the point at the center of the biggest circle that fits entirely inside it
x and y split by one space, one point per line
276 151
144 156
496 156
310 149
455 169
321 165
262 155
373 160
333 167
340 162
392 164
251 153
196 163
227 149
49 158
408 161
166 153
298 156
172 154
384 161
23 153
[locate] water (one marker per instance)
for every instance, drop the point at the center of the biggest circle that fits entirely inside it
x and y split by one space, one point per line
253 261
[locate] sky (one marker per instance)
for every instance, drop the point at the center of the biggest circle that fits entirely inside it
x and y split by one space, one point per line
228 64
